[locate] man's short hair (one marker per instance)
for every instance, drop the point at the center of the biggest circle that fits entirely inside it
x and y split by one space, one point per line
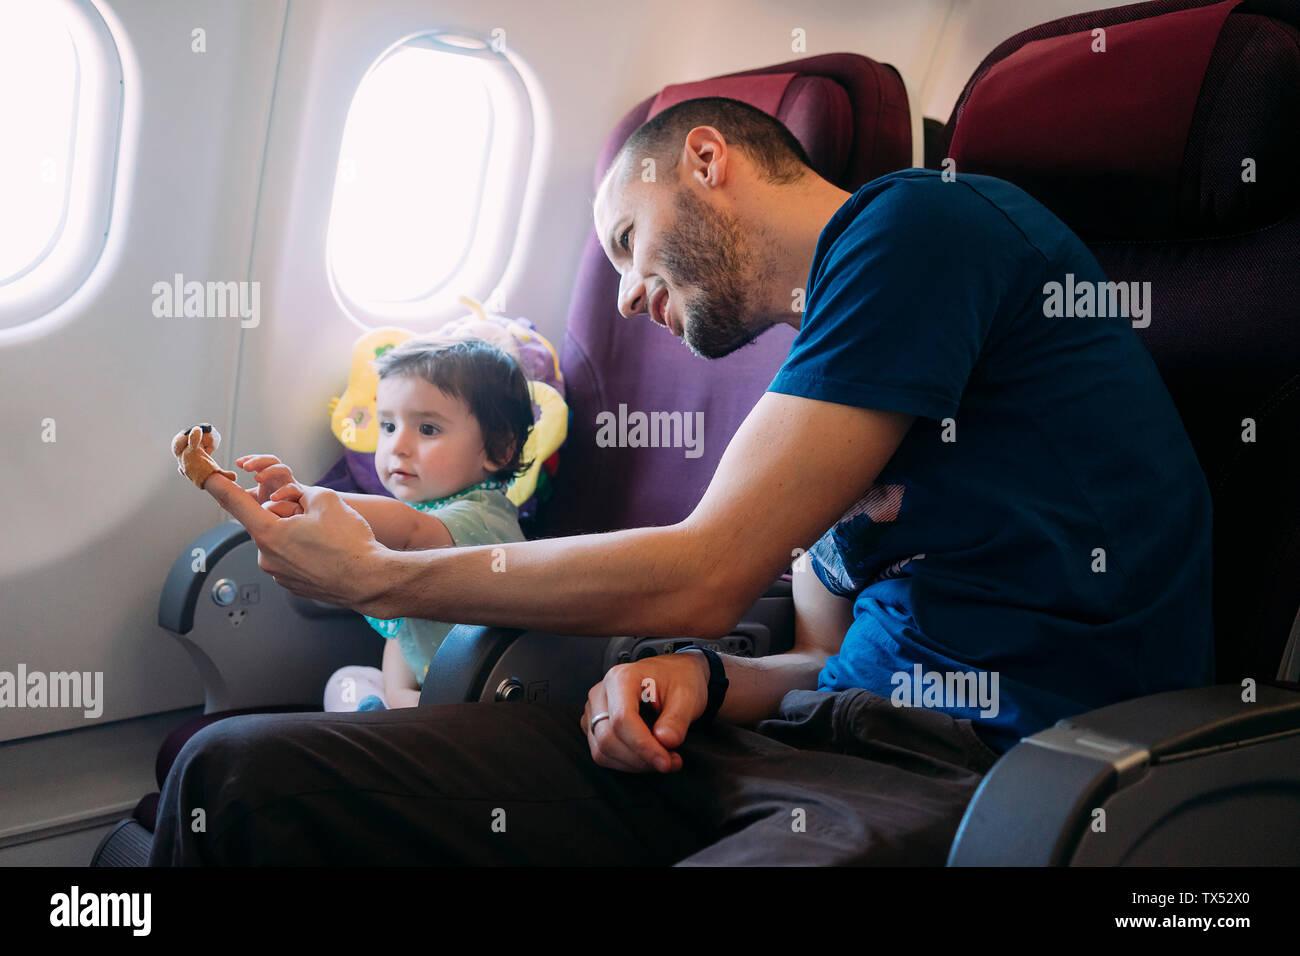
765 140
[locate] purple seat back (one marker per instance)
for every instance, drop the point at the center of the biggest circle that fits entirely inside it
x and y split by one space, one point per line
1222 252
851 115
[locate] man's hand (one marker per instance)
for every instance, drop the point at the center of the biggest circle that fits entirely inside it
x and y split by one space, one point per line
328 552
622 741
271 474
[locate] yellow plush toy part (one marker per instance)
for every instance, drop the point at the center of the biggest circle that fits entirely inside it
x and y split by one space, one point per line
193 449
353 418
544 440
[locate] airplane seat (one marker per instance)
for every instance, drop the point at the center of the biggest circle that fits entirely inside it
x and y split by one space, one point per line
851 115
1173 166
310 639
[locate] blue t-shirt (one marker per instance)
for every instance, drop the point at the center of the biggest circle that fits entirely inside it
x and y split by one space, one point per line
1045 520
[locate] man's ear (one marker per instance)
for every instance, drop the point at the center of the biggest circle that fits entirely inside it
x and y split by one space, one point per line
705 156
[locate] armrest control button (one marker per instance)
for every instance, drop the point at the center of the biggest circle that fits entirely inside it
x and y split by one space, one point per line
510 689
224 592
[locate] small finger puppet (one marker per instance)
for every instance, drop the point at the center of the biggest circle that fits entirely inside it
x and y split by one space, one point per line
193 449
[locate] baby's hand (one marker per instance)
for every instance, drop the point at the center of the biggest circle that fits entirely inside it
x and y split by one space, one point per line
286 501
271 475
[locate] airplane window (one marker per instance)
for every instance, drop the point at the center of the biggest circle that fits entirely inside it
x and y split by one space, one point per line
37 57
426 194
60 100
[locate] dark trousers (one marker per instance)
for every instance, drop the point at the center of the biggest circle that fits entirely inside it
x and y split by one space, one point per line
835 778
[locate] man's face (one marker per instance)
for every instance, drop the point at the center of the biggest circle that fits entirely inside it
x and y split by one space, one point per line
689 265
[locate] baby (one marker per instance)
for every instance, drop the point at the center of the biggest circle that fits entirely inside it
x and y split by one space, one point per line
453 419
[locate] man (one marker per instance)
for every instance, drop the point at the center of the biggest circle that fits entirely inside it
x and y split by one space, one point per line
1018 531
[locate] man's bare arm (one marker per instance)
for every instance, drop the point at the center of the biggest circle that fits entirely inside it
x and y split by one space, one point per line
755 692
758 684
393 523
794 466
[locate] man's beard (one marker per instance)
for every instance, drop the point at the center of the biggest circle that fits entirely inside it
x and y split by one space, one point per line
708 249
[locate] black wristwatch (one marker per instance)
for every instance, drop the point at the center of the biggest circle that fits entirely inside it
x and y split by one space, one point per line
718 682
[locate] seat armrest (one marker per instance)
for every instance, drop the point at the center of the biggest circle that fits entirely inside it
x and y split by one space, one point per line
463 662
189 573
1178 722
476 663
254 643
1035 806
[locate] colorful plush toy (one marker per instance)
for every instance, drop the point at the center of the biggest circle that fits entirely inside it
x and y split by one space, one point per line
193 449
353 417
544 441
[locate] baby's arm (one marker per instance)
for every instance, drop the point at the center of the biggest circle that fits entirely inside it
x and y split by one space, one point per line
427 532
400 687
821 619
395 525
399 526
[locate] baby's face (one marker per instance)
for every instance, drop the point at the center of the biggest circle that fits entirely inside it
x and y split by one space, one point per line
430 445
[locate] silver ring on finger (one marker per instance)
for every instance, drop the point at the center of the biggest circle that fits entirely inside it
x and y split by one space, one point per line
603 715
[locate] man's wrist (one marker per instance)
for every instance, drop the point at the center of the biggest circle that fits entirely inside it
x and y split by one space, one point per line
702 662
716 681
381 582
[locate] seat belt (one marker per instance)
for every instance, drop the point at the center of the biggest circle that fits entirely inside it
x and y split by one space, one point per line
1289 669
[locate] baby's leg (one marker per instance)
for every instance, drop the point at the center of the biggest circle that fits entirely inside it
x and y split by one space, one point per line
348 686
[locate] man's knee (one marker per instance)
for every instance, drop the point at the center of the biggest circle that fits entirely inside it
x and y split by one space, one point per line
237 763
214 764
216 749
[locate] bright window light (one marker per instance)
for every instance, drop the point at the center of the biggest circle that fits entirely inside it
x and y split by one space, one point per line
38 110
60 115
411 175
433 155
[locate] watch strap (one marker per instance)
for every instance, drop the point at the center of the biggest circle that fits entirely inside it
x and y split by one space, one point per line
718 682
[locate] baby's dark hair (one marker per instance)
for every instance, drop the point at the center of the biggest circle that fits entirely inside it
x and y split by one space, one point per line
485 378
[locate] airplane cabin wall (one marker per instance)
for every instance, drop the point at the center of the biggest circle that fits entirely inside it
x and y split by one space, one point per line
226 173
94 519
587 74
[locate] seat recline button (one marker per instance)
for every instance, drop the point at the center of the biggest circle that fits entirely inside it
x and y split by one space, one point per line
224 592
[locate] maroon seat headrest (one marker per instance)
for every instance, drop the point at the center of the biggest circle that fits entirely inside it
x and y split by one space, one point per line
1144 128
849 113
1141 152
814 108
852 118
